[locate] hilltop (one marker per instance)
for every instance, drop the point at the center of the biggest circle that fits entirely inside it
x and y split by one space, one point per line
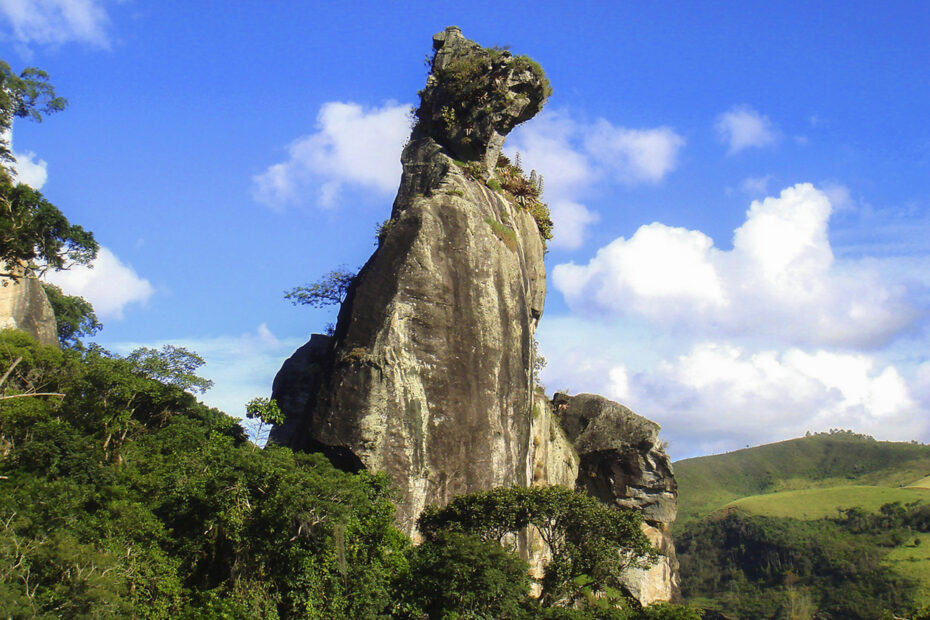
821 460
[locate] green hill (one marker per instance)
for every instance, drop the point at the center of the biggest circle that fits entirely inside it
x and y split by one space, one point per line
781 503
708 483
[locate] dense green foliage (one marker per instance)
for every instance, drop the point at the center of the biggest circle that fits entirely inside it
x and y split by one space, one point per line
755 567
586 538
74 316
461 575
126 496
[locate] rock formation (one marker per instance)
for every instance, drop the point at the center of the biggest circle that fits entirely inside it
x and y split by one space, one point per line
23 305
428 375
622 462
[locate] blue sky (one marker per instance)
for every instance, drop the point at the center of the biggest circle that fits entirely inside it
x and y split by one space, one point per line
740 191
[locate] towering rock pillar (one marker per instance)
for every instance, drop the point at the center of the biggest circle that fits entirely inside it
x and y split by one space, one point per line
429 374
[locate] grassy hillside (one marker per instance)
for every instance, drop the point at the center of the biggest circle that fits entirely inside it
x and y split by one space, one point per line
825 502
782 503
708 483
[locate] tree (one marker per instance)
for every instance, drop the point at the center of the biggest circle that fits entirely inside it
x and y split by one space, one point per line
461 576
171 366
34 235
267 413
585 537
27 95
329 290
74 316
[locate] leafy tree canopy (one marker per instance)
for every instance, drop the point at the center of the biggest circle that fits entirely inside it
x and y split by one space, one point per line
329 290
172 366
34 234
74 315
586 538
27 95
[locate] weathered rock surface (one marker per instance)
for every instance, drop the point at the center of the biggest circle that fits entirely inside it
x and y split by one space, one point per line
428 376
621 461
23 305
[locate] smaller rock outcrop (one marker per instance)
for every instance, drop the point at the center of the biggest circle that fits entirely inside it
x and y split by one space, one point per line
622 462
23 305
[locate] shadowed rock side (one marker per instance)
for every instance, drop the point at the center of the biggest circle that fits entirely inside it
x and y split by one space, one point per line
428 374
622 462
23 305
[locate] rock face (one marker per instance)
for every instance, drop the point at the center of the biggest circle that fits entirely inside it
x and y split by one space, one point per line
428 375
622 462
23 305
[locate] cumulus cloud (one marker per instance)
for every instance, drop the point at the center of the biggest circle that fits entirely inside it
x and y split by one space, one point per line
53 22
780 280
722 396
109 286
741 128
634 155
575 156
27 167
30 170
716 395
352 145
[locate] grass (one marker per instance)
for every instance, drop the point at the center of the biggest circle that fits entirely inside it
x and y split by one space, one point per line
505 234
923 483
819 461
913 561
819 503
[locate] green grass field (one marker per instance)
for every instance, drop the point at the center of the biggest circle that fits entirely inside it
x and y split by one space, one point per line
825 502
913 561
923 483
707 483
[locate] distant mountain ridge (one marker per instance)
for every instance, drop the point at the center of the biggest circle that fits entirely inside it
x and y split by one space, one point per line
821 460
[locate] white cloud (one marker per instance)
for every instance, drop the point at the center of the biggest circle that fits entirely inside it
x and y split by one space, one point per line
574 157
719 392
29 170
352 145
109 286
547 144
716 395
241 367
741 127
780 281
634 155
571 220
53 22
756 185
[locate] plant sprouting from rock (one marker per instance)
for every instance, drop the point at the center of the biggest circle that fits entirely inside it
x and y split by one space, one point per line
329 290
